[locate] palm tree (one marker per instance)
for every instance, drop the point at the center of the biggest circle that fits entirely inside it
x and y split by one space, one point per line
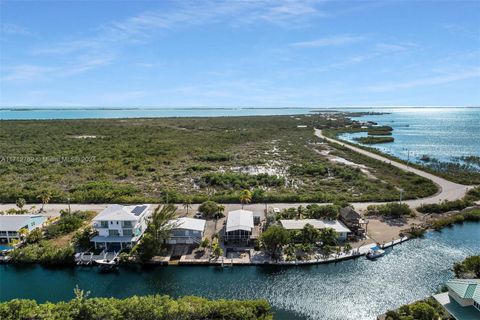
20 203
245 197
45 197
23 232
187 204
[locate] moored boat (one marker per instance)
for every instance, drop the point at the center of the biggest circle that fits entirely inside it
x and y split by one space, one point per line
375 252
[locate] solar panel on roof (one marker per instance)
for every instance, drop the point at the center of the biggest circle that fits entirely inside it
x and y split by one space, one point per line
138 210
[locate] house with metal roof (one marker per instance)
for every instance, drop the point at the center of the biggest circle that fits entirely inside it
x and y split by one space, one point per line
11 224
239 227
187 231
319 224
462 301
120 226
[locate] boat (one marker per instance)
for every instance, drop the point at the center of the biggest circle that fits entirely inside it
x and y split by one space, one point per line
375 252
107 265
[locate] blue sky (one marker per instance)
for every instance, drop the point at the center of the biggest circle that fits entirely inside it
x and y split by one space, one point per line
270 53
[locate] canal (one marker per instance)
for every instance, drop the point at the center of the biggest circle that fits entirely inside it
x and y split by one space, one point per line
356 289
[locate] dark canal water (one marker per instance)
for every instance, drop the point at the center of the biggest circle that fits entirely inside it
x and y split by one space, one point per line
358 289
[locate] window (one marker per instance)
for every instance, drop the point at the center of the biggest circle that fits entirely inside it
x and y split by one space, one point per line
127 232
103 224
113 233
127 224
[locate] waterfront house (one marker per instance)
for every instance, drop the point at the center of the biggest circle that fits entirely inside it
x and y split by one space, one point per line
11 224
120 226
187 231
462 301
353 220
239 227
319 224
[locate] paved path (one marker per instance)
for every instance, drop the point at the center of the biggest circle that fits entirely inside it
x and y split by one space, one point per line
448 190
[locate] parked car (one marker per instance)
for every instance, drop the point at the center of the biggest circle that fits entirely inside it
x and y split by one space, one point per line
198 215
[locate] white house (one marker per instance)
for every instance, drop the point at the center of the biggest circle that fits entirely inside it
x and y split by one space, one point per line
187 231
10 225
239 226
120 226
336 225
462 301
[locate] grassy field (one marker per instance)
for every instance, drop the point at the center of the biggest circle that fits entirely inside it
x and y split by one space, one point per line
155 160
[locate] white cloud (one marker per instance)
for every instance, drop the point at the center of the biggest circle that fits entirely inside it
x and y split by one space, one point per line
14 29
336 40
24 72
426 81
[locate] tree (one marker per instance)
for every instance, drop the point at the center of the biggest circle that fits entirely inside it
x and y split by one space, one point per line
347 248
205 243
23 232
20 203
158 231
217 251
301 211
45 197
273 239
468 267
82 239
327 250
309 235
329 212
245 197
211 209
328 236
423 311
34 236
187 204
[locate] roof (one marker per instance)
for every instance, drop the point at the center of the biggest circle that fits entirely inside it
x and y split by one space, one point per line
189 224
114 239
349 213
316 223
466 288
14 222
239 220
456 310
118 212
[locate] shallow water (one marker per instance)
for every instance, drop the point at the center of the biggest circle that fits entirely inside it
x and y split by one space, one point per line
441 133
357 289
104 113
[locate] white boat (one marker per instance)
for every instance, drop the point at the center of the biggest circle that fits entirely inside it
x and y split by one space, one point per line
375 252
107 265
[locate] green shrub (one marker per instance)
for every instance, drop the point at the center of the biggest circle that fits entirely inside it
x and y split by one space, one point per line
310 169
67 223
215 157
211 210
146 307
233 180
315 211
444 206
393 209
374 140
468 268
43 253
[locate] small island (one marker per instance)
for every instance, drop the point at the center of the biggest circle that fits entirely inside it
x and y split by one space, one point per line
374 140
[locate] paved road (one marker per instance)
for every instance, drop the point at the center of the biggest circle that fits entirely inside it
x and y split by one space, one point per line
448 190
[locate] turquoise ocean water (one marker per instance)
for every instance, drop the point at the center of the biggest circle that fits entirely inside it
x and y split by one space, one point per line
441 133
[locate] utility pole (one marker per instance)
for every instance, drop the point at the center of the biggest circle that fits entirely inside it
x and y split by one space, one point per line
401 195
